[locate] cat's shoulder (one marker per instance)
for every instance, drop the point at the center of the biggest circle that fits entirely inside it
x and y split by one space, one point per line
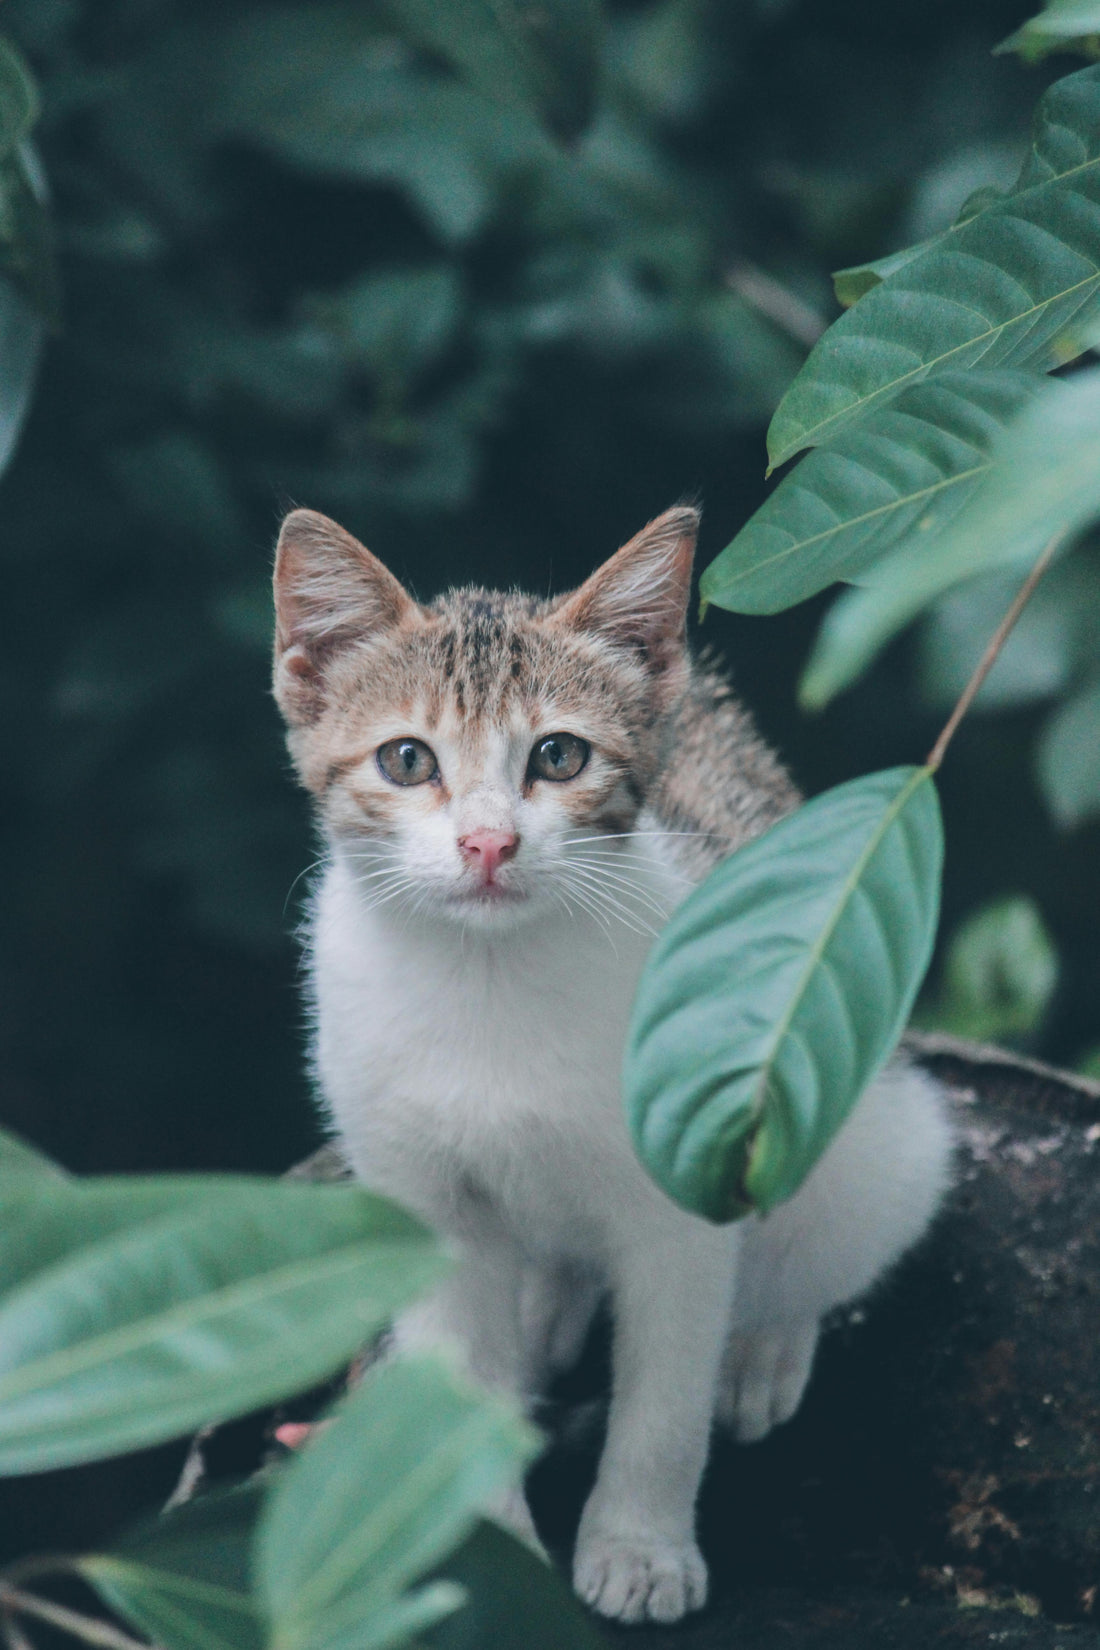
720 783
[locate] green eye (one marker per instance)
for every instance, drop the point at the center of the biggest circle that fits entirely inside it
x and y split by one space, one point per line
407 761
558 756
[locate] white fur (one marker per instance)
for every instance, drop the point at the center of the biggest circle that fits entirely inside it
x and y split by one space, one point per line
472 1069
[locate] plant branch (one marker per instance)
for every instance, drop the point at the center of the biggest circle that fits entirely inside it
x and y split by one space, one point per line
989 657
89 1628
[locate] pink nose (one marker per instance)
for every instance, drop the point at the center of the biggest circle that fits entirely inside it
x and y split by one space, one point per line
487 850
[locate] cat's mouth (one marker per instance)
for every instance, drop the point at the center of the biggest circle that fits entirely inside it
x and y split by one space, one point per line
487 893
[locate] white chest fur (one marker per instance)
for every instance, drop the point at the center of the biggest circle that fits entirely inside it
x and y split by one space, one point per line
457 1062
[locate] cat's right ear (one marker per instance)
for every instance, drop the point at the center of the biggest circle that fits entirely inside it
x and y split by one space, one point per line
329 591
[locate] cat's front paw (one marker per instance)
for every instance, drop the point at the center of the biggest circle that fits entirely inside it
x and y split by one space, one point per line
639 1578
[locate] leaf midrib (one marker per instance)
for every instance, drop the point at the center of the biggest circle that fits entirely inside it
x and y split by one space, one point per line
113 1344
851 882
852 522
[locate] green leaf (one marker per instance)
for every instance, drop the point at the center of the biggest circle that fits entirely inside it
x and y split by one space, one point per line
185 1579
17 1158
999 974
18 98
155 1307
778 989
541 54
898 475
1003 289
514 1601
1069 758
375 1500
852 284
1044 481
1062 26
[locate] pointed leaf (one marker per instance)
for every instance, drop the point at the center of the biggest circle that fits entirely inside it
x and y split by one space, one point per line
244 1292
851 284
900 474
1003 289
1044 481
778 989
185 1579
1062 26
375 1500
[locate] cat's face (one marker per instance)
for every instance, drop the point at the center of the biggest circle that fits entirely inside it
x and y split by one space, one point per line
481 758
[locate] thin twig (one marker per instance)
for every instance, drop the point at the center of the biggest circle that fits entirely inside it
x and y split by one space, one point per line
89 1628
763 292
989 657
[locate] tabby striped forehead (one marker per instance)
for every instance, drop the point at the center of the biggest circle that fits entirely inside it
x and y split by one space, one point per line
488 660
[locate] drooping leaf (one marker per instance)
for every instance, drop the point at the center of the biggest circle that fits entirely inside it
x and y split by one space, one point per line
540 54
1007 288
1044 481
224 1297
899 475
1069 758
999 974
1062 26
778 989
514 1601
185 1579
375 1500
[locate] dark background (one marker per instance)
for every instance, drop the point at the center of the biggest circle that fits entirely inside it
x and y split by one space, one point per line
302 263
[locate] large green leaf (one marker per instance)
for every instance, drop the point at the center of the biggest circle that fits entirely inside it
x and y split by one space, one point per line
1004 288
1044 480
1069 758
778 989
375 1500
219 1300
898 475
514 1601
1062 26
543 54
185 1579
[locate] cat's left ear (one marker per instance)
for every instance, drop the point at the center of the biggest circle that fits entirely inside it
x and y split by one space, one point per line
329 592
639 598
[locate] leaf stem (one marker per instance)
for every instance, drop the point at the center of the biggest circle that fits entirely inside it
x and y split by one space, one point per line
989 657
89 1628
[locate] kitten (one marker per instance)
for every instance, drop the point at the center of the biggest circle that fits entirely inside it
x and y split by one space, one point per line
514 794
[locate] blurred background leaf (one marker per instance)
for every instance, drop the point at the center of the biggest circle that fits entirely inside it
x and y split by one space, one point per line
998 975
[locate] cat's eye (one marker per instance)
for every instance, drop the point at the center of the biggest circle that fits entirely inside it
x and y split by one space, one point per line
558 756
407 761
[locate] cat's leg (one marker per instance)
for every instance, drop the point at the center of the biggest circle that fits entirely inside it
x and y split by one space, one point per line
474 1316
636 1555
869 1198
764 1375
557 1305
